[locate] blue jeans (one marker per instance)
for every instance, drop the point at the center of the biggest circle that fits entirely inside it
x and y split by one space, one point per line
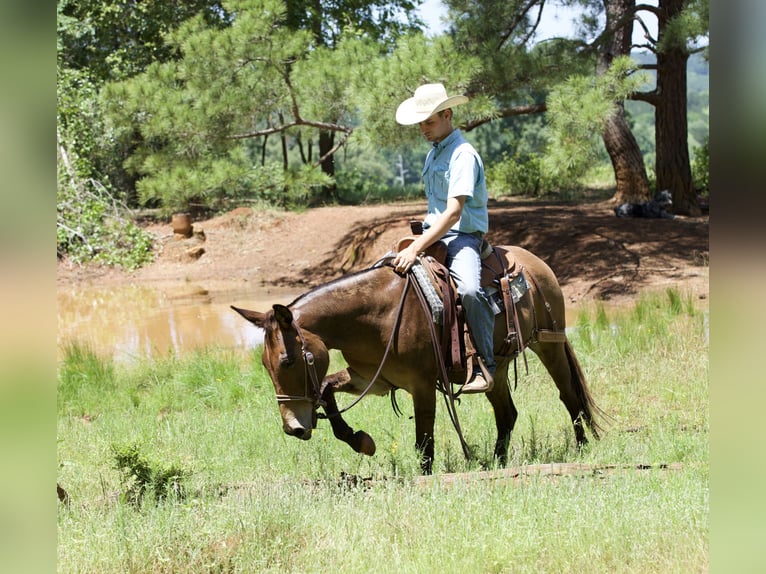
464 264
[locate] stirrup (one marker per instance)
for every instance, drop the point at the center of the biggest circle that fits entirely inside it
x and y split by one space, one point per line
481 381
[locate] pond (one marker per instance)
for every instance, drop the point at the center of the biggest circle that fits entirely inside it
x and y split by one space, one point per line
129 323
132 322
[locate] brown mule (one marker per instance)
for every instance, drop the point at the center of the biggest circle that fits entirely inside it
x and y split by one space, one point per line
380 328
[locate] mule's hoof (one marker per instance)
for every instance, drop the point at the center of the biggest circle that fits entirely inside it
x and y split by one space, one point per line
363 443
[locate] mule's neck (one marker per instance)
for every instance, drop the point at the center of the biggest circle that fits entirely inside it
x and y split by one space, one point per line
341 310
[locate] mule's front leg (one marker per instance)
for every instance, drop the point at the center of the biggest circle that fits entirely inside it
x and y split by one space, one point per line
360 441
424 403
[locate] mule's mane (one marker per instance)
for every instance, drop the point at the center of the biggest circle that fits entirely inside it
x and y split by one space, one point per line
320 290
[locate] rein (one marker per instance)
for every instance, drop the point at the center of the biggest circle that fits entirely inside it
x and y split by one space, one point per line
446 387
318 388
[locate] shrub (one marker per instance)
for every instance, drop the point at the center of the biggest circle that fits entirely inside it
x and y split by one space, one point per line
701 167
91 227
140 476
526 174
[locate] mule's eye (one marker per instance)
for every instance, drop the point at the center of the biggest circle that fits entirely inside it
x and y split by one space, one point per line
286 360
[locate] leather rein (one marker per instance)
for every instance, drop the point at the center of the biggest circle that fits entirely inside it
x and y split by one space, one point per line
318 388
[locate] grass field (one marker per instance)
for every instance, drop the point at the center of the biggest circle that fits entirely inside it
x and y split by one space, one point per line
179 464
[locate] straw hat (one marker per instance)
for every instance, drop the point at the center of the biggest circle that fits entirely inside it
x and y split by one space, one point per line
428 99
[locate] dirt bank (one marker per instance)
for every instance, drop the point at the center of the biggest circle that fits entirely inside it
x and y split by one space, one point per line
595 255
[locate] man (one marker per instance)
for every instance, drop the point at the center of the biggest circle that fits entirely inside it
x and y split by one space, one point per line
457 214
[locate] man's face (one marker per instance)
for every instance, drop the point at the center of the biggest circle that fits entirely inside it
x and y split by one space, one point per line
437 127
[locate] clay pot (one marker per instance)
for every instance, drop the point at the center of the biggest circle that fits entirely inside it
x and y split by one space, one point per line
182 224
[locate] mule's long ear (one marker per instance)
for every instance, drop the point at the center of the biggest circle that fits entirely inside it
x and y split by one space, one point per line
284 315
252 316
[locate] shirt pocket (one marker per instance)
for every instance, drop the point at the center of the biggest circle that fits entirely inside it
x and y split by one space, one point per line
439 181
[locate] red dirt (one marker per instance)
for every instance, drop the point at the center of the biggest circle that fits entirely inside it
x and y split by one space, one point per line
596 255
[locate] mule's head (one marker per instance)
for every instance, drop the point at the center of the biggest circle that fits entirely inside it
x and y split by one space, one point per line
296 362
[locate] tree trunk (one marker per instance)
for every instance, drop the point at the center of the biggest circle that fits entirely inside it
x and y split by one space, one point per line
326 142
621 145
670 122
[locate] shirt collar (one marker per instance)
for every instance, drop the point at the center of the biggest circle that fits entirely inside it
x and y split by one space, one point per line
438 146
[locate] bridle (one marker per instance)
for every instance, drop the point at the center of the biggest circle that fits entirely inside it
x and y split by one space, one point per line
315 398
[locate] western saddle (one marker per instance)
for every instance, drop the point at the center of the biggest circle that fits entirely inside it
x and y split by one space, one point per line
504 284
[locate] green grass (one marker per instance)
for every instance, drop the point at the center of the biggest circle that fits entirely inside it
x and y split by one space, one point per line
255 500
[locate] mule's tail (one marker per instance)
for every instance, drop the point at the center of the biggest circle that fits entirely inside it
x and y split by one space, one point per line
591 412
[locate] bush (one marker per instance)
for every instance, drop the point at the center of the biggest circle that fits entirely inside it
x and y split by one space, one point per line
90 227
525 174
140 476
701 167
90 220
356 187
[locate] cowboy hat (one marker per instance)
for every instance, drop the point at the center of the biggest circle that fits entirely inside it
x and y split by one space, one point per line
428 99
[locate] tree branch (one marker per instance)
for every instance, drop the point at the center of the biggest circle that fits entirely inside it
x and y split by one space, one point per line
533 29
518 19
278 129
505 113
622 21
334 148
647 8
649 47
648 97
647 35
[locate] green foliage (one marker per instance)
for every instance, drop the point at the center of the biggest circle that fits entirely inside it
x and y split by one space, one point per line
357 188
91 221
577 110
701 167
260 501
195 114
91 227
83 376
381 21
139 476
115 39
691 24
206 92
386 82
526 174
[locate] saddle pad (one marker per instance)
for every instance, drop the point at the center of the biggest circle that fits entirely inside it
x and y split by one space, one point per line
427 287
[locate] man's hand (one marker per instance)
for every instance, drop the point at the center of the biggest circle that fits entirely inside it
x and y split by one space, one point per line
405 259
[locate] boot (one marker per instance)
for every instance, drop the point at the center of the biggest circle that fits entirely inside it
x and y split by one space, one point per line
478 384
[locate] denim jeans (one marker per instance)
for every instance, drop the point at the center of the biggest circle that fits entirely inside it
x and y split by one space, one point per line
464 263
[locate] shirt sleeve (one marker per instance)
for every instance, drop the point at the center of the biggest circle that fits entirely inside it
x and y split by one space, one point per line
464 171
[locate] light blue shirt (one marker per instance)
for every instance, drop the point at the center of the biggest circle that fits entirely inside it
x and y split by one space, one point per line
454 168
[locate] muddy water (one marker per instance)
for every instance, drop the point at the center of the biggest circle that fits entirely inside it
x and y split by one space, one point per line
133 322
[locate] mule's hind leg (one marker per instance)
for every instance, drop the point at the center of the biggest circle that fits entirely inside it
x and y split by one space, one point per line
572 390
505 411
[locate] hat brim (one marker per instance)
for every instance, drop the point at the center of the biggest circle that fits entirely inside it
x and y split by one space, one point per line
407 114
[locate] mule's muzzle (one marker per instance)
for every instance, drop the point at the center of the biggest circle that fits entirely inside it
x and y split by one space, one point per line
298 420
298 432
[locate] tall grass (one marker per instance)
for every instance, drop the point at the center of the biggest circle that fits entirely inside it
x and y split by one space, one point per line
255 500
